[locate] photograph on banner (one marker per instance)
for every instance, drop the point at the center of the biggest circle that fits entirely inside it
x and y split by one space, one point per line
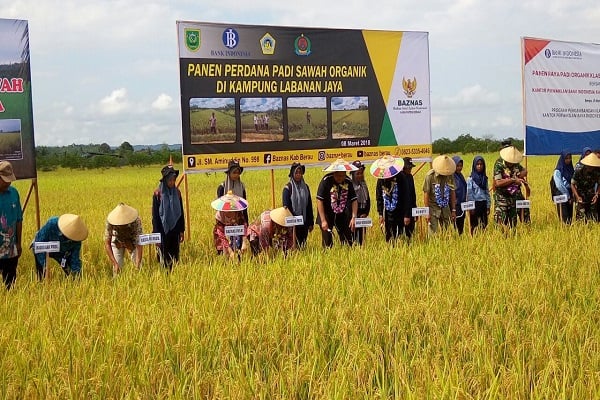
260 93
561 83
16 113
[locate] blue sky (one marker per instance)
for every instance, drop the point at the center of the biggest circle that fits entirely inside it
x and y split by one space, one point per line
107 71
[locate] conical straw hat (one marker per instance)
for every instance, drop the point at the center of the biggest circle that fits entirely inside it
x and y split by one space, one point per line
278 215
122 215
229 202
340 165
591 160
73 227
444 165
511 154
386 167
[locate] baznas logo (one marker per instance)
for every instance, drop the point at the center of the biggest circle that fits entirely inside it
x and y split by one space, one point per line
302 45
230 38
192 39
267 44
410 87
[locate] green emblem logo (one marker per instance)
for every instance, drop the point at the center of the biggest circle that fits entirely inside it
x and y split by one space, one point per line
192 39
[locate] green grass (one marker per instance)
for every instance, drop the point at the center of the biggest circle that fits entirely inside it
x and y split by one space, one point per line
298 127
447 317
10 143
200 128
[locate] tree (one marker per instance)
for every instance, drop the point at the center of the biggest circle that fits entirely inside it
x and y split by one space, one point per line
105 148
125 147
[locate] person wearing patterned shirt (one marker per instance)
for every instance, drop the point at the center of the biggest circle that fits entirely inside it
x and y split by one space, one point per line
438 193
11 225
123 228
507 185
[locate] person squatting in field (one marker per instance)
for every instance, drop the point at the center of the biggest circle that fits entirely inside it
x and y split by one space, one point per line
123 228
69 230
168 217
269 233
11 225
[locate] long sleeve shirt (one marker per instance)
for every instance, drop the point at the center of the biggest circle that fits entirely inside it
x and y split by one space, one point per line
475 193
69 249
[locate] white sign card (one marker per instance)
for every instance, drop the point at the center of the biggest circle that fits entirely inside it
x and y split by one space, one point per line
420 211
149 238
467 205
523 204
46 247
561 198
235 230
294 220
363 222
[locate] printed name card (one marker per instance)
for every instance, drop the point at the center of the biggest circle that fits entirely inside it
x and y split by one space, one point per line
46 247
467 205
235 230
294 220
363 222
149 238
523 204
562 198
420 211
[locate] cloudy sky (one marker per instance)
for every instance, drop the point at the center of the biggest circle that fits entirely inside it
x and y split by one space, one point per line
107 71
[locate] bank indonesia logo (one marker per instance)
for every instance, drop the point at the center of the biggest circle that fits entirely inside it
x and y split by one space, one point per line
321 155
230 38
548 53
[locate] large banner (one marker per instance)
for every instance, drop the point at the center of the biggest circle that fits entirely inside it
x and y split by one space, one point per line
561 96
269 96
16 115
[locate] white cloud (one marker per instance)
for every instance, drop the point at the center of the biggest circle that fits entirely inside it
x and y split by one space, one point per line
114 103
162 102
475 95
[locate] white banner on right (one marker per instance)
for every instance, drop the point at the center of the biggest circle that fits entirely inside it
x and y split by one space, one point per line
561 95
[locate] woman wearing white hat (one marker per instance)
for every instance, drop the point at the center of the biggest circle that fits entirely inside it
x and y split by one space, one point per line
123 228
507 184
337 203
438 193
70 231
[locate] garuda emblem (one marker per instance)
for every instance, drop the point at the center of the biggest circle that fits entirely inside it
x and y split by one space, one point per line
409 86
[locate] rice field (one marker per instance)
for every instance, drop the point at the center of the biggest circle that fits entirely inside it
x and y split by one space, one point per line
493 316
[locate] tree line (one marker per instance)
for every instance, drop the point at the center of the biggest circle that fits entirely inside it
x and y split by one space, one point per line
102 155
468 144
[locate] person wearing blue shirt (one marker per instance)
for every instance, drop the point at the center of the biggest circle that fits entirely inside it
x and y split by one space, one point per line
69 230
11 225
478 191
461 194
561 184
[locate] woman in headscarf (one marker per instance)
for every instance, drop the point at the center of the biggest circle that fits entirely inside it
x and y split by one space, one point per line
391 195
297 199
460 188
233 183
586 151
478 191
167 217
362 196
561 184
